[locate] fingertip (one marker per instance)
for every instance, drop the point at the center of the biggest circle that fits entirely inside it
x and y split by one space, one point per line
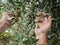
43 13
49 19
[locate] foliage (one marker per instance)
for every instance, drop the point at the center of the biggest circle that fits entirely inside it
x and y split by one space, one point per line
22 32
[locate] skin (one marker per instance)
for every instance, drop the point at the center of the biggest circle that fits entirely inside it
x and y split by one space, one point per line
4 23
41 32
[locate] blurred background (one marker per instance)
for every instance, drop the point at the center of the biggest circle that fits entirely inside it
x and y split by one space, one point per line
22 32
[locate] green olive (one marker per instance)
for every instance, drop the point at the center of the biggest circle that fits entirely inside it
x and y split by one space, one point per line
40 20
38 26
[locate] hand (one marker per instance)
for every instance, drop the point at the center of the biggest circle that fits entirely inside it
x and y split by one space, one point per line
5 22
44 26
10 16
